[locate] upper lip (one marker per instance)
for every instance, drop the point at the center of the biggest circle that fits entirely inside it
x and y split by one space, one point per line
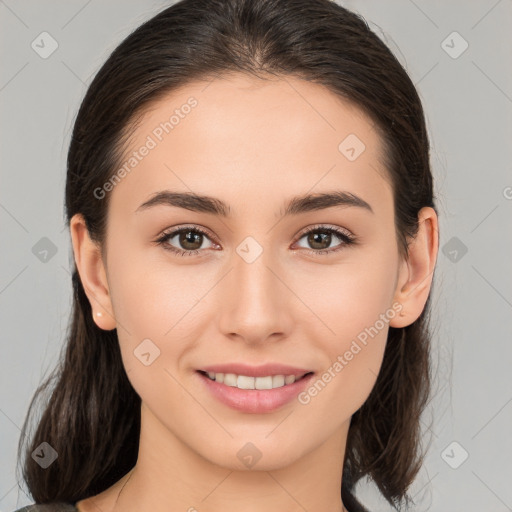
256 371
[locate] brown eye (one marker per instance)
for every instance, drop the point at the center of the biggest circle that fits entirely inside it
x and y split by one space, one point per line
319 239
190 240
184 241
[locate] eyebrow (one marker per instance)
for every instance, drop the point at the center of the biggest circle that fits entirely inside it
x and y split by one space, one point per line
296 205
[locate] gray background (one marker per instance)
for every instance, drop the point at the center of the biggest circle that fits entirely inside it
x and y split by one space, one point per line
468 101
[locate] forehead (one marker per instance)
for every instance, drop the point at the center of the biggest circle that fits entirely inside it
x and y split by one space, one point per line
241 136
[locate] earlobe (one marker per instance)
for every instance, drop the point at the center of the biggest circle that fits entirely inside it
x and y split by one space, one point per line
415 279
91 269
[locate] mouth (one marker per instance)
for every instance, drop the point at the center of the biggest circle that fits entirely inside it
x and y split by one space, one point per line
246 382
254 394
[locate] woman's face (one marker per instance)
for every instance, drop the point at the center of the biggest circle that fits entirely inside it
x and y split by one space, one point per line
256 290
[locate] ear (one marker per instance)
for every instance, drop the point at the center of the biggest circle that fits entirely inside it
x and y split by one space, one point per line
90 266
416 273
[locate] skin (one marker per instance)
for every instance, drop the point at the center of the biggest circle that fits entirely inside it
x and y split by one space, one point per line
254 145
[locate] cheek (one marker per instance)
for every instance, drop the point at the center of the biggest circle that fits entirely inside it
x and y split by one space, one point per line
156 309
353 308
346 298
155 298
160 306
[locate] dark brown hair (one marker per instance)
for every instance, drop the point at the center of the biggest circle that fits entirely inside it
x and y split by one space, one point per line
92 416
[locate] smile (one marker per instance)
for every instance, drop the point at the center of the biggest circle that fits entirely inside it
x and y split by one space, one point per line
254 395
247 382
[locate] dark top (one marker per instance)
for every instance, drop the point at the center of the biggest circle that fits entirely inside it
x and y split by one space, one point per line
352 506
49 507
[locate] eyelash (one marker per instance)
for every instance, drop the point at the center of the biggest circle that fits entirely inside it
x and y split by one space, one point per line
348 239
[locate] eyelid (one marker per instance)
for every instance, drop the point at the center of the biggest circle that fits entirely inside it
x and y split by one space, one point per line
330 227
174 230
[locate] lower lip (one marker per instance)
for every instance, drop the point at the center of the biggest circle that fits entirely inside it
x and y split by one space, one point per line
255 401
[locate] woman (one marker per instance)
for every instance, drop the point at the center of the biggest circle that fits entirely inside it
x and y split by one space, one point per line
250 203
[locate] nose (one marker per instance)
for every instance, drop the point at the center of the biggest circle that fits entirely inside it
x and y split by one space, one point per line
255 303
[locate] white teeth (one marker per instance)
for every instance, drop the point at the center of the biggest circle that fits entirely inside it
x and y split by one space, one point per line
246 382
230 379
263 382
289 379
278 381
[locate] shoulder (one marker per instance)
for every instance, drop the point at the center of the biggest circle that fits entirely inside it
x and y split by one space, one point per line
49 507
